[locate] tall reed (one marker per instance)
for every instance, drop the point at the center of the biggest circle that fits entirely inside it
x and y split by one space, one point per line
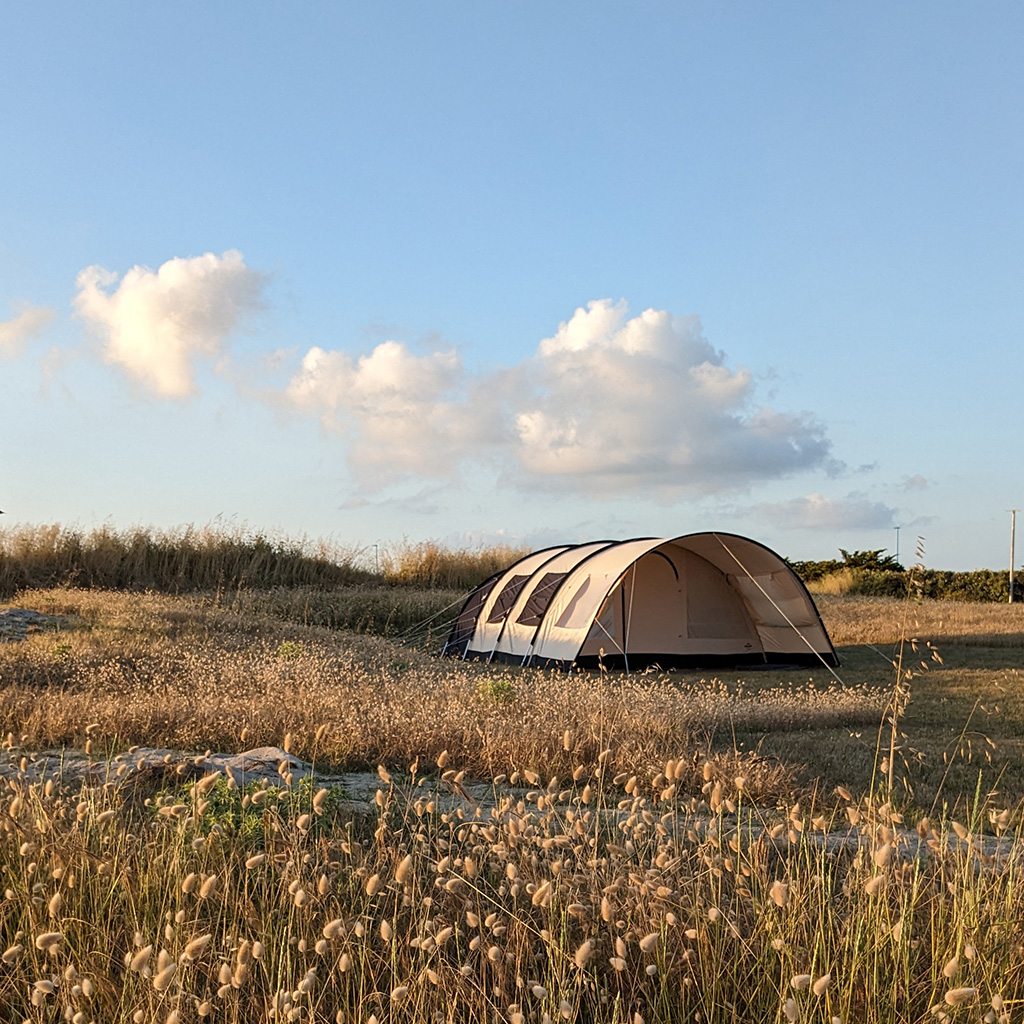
185 559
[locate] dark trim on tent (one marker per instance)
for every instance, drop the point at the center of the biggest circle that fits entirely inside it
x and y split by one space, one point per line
764 660
506 598
450 649
661 554
679 661
464 625
538 601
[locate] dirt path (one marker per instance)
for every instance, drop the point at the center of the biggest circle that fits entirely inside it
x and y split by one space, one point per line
474 798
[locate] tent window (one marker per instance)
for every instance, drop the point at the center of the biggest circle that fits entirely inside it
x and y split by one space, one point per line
507 598
537 603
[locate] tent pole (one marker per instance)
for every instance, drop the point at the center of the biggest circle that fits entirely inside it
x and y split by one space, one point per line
627 615
622 616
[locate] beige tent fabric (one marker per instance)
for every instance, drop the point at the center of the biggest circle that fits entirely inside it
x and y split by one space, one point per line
700 598
516 638
580 598
489 626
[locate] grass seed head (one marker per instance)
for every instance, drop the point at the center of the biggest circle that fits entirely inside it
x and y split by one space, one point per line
162 980
960 996
195 948
583 954
403 869
49 942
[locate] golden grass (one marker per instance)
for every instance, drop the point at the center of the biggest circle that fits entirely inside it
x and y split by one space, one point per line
561 903
190 673
185 559
665 862
429 564
219 558
882 620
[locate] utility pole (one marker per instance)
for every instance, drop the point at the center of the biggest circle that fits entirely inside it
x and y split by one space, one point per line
1013 530
897 529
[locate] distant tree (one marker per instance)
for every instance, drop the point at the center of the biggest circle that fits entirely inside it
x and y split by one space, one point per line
870 560
878 561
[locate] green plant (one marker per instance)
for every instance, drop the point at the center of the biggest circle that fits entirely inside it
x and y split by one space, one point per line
498 691
62 650
289 650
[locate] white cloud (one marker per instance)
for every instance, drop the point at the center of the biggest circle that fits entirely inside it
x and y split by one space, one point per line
612 403
404 413
608 405
157 325
915 483
817 512
32 320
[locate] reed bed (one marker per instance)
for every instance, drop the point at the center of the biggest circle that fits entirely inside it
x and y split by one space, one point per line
429 564
220 558
179 560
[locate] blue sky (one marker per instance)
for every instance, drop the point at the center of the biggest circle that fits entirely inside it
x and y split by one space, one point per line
527 272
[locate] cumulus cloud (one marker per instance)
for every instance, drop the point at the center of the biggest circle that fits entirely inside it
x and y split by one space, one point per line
32 320
612 402
156 325
609 404
915 483
817 512
404 413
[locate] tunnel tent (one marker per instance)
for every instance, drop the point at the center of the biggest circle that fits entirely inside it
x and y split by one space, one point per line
699 600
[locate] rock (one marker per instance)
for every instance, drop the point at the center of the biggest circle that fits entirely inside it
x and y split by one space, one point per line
17 623
259 763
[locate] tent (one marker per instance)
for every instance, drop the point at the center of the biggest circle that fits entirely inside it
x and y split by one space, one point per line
700 600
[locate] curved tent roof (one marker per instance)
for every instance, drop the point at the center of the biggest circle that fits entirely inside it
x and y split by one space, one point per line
702 599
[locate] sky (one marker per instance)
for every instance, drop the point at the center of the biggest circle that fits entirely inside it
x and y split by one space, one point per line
516 273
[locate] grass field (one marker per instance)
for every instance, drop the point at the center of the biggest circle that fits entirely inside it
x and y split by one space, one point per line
657 861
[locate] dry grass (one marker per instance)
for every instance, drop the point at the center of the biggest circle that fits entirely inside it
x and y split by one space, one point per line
395 611
553 905
218 558
189 673
429 564
882 620
185 559
667 864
